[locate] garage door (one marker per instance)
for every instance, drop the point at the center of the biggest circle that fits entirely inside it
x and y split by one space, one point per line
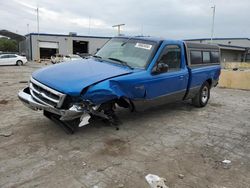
53 45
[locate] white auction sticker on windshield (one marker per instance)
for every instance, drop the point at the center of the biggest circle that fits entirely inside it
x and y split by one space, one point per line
144 46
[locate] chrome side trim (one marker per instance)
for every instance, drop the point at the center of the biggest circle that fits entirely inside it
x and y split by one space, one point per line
141 105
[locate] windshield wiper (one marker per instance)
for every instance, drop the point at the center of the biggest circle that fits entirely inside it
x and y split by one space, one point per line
97 56
120 61
125 42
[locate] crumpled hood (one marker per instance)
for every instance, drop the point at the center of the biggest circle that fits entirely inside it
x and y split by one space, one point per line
72 77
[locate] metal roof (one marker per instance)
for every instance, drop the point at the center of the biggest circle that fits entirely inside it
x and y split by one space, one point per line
230 47
224 46
12 35
229 38
64 35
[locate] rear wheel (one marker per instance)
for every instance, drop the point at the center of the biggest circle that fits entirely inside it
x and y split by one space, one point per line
201 99
19 63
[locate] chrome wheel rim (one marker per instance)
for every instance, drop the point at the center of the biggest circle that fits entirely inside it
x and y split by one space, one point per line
204 94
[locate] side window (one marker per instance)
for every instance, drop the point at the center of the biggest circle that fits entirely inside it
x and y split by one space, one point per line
196 57
12 56
4 56
206 57
214 57
171 56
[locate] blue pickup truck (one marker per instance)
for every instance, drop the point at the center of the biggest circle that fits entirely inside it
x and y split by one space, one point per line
127 72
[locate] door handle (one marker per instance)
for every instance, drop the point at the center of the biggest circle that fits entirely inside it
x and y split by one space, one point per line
181 77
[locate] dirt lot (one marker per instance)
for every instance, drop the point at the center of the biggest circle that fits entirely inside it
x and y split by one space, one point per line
166 141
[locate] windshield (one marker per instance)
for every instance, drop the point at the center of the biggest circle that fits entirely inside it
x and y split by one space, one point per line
132 52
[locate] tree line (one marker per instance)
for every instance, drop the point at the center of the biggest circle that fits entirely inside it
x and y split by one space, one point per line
8 45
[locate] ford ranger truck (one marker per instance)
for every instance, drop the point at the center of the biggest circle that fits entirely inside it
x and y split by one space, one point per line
128 72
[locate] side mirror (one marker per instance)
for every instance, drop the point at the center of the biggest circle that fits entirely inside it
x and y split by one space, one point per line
161 67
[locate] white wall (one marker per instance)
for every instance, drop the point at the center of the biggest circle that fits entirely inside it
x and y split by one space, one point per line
66 43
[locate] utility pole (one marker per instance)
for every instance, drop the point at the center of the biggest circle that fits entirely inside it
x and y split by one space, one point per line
28 29
37 19
142 30
89 24
212 30
119 28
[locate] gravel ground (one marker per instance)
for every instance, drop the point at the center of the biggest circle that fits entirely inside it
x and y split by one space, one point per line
167 141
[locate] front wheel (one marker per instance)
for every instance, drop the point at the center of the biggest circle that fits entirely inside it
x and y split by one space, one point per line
202 97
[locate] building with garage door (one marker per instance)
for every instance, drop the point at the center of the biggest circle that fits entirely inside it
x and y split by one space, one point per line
43 46
232 49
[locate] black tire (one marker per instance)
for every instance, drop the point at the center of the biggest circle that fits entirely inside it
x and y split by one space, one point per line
19 63
202 97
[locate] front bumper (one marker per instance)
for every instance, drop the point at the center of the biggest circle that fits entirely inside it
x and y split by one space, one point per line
28 101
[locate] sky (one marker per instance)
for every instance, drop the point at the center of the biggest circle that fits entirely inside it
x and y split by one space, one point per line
173 19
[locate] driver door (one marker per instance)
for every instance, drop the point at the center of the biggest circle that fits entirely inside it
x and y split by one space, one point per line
169 77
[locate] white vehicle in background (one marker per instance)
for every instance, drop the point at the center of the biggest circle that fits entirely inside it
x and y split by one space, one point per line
58 58
12 59
71 57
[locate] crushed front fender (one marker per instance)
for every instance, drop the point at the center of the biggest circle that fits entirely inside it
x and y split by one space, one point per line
104 91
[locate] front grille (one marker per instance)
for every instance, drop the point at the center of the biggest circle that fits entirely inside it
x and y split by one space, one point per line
46 95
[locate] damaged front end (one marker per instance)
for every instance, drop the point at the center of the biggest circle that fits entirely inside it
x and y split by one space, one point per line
96 101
